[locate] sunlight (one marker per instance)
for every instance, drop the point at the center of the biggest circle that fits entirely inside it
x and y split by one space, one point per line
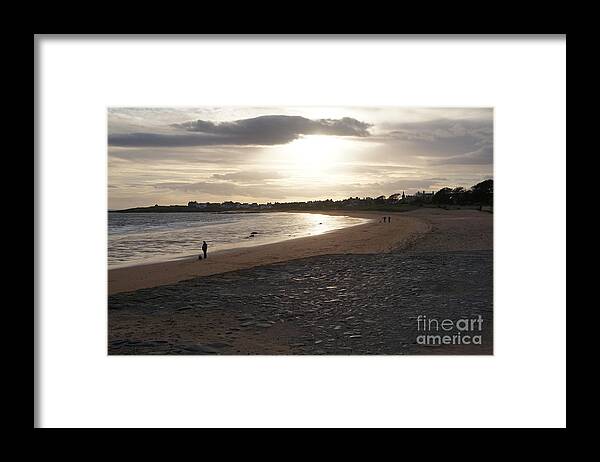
314 156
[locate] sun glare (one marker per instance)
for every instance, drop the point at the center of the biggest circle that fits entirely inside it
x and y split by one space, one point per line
315 155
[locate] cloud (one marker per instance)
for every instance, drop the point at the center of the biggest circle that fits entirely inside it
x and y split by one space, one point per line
223 189
394 186
258 131
443 129
238 156
247 176
446 141
481 156
306 192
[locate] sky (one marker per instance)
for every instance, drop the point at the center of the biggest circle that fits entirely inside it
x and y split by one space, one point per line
283 154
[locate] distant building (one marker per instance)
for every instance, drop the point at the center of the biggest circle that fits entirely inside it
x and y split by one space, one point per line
198 205
420 196
230 205
423 194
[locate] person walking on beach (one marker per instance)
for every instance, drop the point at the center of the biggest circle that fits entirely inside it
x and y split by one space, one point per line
204 248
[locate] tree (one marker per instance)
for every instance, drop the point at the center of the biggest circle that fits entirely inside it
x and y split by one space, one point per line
483 193
459 196
443 196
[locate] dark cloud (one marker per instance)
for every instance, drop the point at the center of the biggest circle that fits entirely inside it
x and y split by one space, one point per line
258 131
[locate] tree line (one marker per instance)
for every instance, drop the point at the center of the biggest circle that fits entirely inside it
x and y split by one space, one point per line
479 194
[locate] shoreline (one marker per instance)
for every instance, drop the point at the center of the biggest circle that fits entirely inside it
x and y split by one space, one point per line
367 238
240 245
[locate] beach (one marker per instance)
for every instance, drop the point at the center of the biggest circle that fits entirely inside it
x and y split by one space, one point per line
372 237
359 290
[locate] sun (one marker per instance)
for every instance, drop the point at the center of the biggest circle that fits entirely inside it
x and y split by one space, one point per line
314 155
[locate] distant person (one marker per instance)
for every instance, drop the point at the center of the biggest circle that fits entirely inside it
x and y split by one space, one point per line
389 219
204 248
384 219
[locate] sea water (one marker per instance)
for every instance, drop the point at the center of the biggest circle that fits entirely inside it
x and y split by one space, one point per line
137 238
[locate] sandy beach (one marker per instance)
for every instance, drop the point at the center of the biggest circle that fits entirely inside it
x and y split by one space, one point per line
369 238
360 290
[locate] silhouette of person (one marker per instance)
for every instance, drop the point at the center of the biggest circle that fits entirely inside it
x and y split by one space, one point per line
384 218
389 219
204 248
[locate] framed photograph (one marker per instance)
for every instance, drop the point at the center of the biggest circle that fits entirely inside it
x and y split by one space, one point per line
300 231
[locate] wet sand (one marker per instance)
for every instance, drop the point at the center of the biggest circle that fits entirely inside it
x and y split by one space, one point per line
372 237
344 304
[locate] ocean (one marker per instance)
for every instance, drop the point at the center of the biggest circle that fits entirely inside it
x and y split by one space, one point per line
137 238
